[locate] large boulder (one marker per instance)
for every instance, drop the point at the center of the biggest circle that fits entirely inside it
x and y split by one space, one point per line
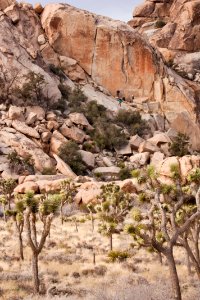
5 3
26 147
73 133
23 128
64 168
88 158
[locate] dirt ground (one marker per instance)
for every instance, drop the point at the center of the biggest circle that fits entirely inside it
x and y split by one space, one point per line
67 270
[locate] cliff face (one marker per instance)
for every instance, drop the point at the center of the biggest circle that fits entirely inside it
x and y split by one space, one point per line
96 50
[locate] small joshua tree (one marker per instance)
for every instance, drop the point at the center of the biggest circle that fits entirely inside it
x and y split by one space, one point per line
167 218
18 218
67 194
112 210
7 187
41 208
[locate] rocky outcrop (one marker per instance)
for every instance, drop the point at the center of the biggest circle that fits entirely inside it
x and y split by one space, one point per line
117 57
25 147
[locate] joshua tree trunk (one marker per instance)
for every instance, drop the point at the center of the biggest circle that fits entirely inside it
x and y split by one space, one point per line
174 276
21 247
92 219
36 281
111 242
61 213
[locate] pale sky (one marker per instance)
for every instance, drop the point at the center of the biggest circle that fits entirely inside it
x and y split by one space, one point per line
116 9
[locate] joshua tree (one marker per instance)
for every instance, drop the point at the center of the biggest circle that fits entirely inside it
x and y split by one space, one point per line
113 208
7 187
18 218
41 208
67 194
168 217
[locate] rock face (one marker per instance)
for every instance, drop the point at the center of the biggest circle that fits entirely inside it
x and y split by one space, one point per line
26 147
118 57
5 3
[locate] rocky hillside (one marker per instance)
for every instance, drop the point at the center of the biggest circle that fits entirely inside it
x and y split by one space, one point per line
45 54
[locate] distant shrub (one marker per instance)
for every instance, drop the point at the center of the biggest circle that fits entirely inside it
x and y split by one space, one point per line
124 173
94 112
49 171
76 99
58 71
180 145
21 165
91 147
108 136
160 24
132 121
118 256
65 90
70 155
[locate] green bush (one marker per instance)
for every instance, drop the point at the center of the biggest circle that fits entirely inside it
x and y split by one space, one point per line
95 112
70 155
108 136
65 90
118 256
160 24
76 100
49 171
132 121
180 145
58 71
21 165
124 173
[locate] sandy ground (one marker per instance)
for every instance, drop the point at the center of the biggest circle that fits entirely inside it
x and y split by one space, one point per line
67 270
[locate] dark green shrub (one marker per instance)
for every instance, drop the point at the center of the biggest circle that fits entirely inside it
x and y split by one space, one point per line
124 173
21 165
160 24
58 71
91 147
180 145
94 112
65 90
49 171
108 136
132 121
118 256
32 90
76 100
69 154
61 105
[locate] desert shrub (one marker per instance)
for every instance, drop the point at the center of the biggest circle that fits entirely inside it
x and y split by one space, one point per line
180 145
94 112
59 105
124 173
49 171
65 90
21 165
132 121
108 136
70 155
58 71
31 91
76 99
160 24
91 147
118 256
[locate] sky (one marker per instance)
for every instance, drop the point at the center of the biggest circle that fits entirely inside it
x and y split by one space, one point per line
116 9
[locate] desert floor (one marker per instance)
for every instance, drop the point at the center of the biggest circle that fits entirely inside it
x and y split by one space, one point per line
67 270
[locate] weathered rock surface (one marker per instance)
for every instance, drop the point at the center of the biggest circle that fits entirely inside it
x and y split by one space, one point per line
165 91
26 147
27 130
64 168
